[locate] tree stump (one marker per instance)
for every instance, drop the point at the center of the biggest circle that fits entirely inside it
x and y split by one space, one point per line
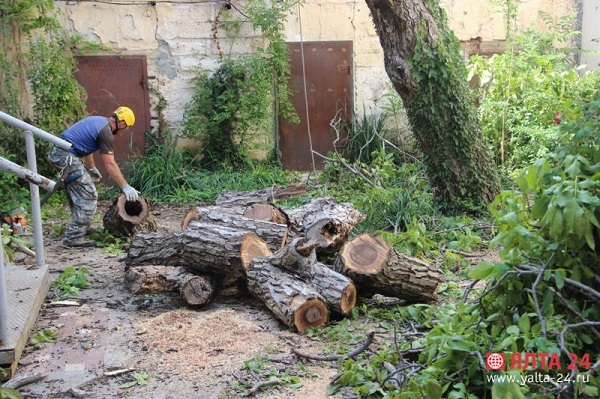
377 268
125 218
299 258
327 221
193 289
293 301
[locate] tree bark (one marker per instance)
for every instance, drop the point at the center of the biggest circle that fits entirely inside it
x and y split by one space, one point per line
194 289
125 218
377 268
259 211
299 258
325 220
267 195
422 58
210 245
291 300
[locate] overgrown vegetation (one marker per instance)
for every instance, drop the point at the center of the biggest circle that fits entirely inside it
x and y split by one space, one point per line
526 90
231 110
69 283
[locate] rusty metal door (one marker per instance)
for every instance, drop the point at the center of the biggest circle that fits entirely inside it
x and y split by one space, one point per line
112 81
329 93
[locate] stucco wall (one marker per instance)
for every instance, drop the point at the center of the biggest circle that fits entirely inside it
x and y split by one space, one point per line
177 37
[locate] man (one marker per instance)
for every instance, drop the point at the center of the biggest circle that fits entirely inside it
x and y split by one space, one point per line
77 168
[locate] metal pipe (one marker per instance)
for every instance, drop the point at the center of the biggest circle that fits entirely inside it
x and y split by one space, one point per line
3 299
57 141
36 208
26 174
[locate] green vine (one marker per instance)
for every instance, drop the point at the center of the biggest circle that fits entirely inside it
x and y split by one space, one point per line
231 110
446 121
37 51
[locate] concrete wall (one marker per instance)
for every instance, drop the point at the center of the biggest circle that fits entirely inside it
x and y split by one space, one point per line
177 36
590 34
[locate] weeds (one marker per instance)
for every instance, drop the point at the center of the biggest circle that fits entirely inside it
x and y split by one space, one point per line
69 283
44 336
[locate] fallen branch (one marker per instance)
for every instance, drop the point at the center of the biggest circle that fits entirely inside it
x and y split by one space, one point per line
333 358
261 385
25 379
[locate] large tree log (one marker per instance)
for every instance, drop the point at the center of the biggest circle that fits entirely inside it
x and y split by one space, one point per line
299 258
210 245
327 221
194 289
125 218
259 211
266 195
377 268
290 299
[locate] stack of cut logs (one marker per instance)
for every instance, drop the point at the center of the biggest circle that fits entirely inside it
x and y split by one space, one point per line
244 238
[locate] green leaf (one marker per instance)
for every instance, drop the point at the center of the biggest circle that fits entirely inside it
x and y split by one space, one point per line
559 278
524 323
506 390
458 344
513 330
482 270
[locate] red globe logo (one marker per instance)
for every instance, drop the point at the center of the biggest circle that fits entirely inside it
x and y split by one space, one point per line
494 361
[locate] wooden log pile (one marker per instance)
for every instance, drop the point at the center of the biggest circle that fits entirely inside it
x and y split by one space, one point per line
277 255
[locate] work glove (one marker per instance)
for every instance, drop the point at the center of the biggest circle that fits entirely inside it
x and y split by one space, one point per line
131 194
95 173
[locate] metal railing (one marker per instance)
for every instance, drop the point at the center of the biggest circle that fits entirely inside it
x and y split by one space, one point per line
35 181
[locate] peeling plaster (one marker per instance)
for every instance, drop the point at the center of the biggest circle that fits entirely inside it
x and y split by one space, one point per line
165 64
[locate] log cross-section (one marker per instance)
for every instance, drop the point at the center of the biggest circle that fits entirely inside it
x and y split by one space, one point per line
125 218
376 267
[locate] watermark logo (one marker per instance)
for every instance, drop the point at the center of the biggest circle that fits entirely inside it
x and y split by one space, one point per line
535 361
495 361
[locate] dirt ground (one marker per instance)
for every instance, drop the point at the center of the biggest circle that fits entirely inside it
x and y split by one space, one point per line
155 345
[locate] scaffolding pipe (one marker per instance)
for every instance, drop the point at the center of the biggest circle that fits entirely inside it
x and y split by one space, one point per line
37 132
26 174
3 299
36 208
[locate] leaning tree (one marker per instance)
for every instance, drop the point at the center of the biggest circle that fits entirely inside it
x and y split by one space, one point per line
424 63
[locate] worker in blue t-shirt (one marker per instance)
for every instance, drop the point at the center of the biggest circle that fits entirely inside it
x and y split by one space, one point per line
78 170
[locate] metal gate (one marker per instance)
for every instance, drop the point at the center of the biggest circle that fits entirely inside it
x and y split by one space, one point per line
329 93
112 81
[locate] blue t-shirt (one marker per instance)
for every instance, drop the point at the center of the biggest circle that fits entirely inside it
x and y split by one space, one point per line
85 133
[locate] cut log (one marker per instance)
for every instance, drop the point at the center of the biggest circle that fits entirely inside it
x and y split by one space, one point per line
155 249
125 218
266 195
210 245
260 211
326 220
299 258
291 300
377 268
194 289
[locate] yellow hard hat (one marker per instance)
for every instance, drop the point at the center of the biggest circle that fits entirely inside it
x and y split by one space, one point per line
126 115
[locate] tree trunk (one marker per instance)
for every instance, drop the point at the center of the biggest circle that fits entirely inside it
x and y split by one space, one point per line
125 218
259 211
267 195
299 258
291 300
210 245
377 268
194 289
325 220
423 60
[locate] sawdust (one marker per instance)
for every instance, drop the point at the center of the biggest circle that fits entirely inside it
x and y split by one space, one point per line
194 344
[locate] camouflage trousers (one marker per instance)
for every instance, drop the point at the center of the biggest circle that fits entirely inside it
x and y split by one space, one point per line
81 193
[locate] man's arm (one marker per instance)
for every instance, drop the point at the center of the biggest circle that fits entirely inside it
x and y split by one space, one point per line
113 169
89 161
